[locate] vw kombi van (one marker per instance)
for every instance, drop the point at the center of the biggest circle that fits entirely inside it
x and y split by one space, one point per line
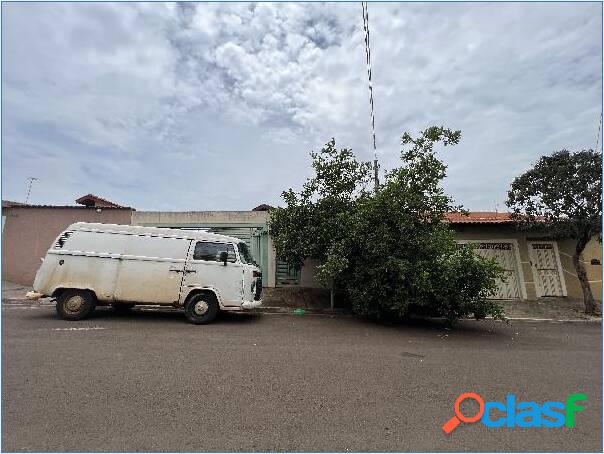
124 265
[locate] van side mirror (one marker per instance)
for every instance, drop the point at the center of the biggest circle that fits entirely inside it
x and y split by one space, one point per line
224 257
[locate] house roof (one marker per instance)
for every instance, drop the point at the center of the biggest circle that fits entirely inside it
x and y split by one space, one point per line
91 200
10 204
87 201
263 207
480 217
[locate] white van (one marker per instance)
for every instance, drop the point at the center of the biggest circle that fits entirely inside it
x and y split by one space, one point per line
124 265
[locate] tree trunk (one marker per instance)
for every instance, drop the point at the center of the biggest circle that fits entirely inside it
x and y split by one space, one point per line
331 294
588 298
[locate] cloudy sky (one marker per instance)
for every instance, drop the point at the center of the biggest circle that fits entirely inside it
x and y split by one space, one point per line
217 106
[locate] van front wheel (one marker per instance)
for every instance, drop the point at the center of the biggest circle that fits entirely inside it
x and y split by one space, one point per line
75 304
201 308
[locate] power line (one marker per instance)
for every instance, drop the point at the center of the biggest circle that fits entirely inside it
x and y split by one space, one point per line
368 57
31 181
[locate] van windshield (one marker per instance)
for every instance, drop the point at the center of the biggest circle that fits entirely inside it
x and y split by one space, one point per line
244 253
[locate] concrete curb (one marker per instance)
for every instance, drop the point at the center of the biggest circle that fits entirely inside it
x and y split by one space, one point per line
278 310
290 311
565 320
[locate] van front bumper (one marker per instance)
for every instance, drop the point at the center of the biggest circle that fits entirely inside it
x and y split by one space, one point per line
33 295
251 304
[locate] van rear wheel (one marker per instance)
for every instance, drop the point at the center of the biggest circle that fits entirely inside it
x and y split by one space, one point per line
201 308
75 304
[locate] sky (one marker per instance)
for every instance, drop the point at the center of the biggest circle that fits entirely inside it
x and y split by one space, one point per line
184 106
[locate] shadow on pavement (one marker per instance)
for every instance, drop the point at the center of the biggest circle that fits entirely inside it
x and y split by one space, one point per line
468 327
154 314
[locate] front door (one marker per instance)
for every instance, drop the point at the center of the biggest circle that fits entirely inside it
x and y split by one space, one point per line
545 264
205 270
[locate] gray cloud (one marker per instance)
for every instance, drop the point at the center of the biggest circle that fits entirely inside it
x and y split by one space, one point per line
216 106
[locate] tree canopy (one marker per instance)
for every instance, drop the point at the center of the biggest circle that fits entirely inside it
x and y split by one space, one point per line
388 252
562 194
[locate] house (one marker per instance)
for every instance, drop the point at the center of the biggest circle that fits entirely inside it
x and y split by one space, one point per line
536 266
29 230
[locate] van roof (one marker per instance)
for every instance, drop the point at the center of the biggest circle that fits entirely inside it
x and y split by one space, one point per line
156 231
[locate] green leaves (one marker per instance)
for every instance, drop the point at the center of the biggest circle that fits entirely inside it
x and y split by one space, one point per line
335 263
562 195
388 253
562 191
320 216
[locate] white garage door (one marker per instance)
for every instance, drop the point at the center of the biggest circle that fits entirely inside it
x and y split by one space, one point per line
505 255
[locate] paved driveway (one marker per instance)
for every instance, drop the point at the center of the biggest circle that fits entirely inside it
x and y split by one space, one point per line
149 381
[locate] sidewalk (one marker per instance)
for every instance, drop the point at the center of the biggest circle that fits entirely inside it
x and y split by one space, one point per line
12 291
317 302
547 308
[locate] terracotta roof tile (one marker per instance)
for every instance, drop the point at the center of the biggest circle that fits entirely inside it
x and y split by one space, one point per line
96 201
262 207
480 217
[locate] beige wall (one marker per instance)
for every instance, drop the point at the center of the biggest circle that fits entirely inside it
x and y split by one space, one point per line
307 274
29 232
509 232
565 248
593 250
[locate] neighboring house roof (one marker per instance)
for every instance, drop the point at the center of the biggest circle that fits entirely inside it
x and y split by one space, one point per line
87 201
91 200
480 217
10 204
263 207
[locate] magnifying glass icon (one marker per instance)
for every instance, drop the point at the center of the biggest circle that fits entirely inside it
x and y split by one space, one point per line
459 417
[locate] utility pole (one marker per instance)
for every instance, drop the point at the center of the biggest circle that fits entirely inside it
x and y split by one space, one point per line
31 181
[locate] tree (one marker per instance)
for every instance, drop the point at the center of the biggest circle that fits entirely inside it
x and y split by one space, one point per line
563 194
315 221
389 253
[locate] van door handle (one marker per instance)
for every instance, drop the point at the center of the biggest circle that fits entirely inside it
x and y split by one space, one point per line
176 270
190 271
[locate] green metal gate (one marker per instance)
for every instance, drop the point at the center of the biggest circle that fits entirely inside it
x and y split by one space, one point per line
286 275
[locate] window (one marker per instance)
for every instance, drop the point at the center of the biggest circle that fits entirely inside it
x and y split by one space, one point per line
211 251
244 253
62 239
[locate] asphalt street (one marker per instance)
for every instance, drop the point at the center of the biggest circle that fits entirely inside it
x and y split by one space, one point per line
150 381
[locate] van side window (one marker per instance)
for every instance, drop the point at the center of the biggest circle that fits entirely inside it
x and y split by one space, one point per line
62 239
211 251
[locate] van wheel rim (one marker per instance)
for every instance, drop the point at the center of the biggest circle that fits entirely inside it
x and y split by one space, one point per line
201 307
74 304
